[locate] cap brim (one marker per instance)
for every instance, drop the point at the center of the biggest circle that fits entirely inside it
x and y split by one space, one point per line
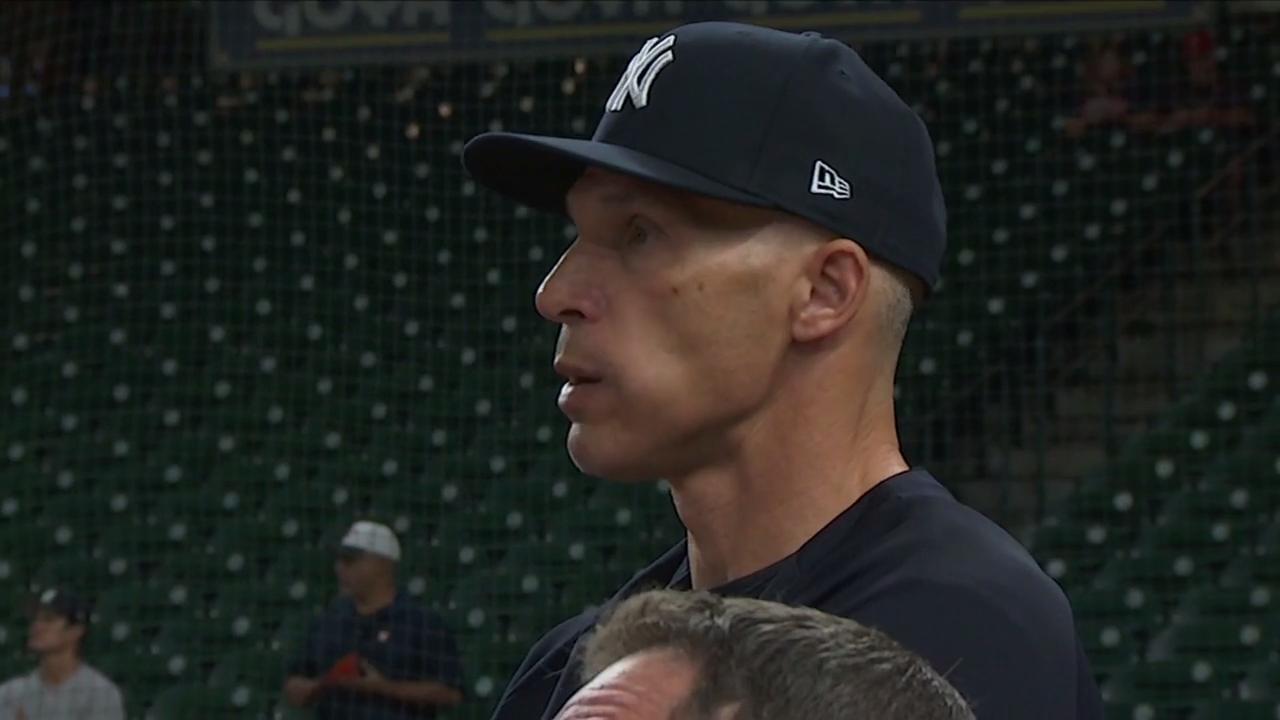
538 170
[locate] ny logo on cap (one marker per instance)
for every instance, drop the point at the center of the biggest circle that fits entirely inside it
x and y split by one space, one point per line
641 72
828 182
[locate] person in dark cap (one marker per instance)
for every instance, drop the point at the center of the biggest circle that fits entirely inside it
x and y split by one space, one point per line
758 215
63 686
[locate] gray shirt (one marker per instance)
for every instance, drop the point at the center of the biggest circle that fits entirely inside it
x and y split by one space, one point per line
86 695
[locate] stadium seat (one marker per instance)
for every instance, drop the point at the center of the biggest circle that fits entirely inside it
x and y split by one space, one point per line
1250 476
290 634
1116 603
88 575
261 669
315 565
558 561
495 521
250 680
234 618
1109 645
1170 686
480 603
1071 551
1209 540
457 549
1128 711
133 613
1229 710
182 702
1226 602
1164 576
484 681
1226 642
1249 571
1261 682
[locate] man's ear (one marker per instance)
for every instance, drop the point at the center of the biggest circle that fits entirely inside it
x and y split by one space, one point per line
834 289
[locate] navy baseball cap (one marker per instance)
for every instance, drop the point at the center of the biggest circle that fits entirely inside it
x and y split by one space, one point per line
64 603
795 122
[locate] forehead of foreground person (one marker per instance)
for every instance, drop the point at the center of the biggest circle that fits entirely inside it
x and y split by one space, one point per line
670 655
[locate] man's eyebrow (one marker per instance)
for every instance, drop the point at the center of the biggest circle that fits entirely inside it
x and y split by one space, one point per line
617 196
613 198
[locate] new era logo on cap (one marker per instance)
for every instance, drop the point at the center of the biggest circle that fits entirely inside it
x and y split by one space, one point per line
641 72
828 182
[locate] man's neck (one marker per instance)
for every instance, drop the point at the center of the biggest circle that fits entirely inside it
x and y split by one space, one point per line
56 668
782 482
375 600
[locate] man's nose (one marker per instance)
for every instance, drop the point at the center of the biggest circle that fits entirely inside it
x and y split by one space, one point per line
573 289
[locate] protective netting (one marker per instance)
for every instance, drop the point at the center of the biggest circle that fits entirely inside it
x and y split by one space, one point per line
244 310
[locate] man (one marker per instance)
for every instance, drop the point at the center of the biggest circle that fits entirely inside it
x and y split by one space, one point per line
64 686
757 216
696 656
374 654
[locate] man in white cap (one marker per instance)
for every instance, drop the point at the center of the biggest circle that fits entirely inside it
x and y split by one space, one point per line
64 685
374 653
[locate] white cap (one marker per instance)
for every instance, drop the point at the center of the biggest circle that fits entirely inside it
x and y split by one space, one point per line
372 537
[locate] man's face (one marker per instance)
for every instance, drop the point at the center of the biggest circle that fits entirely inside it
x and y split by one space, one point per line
356 571
50 632
674 318
649 685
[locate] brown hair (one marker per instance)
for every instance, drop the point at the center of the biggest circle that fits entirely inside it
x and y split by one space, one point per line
775 662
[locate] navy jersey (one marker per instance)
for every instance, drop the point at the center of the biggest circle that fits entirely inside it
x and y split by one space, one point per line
403 641
911 560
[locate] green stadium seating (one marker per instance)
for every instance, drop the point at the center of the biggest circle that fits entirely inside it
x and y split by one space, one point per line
259 669
488 667
1210 541
188 701
1261 682
1229 710
1170 686
1223 641
89 575
1163 575
1252 571
290 635
362 351
1072 551
1226 602
132 613
1109 645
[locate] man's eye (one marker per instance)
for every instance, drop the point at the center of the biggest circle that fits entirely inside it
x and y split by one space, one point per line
637 234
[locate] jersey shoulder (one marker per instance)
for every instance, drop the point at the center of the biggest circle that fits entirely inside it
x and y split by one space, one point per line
98 682
16 685
923 528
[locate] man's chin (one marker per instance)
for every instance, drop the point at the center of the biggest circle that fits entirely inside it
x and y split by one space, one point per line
598 454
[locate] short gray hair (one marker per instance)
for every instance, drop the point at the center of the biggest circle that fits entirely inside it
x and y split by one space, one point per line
901 295
775 662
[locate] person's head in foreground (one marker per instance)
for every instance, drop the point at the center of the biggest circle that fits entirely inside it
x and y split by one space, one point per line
669 655
757 215
59 624
367 558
